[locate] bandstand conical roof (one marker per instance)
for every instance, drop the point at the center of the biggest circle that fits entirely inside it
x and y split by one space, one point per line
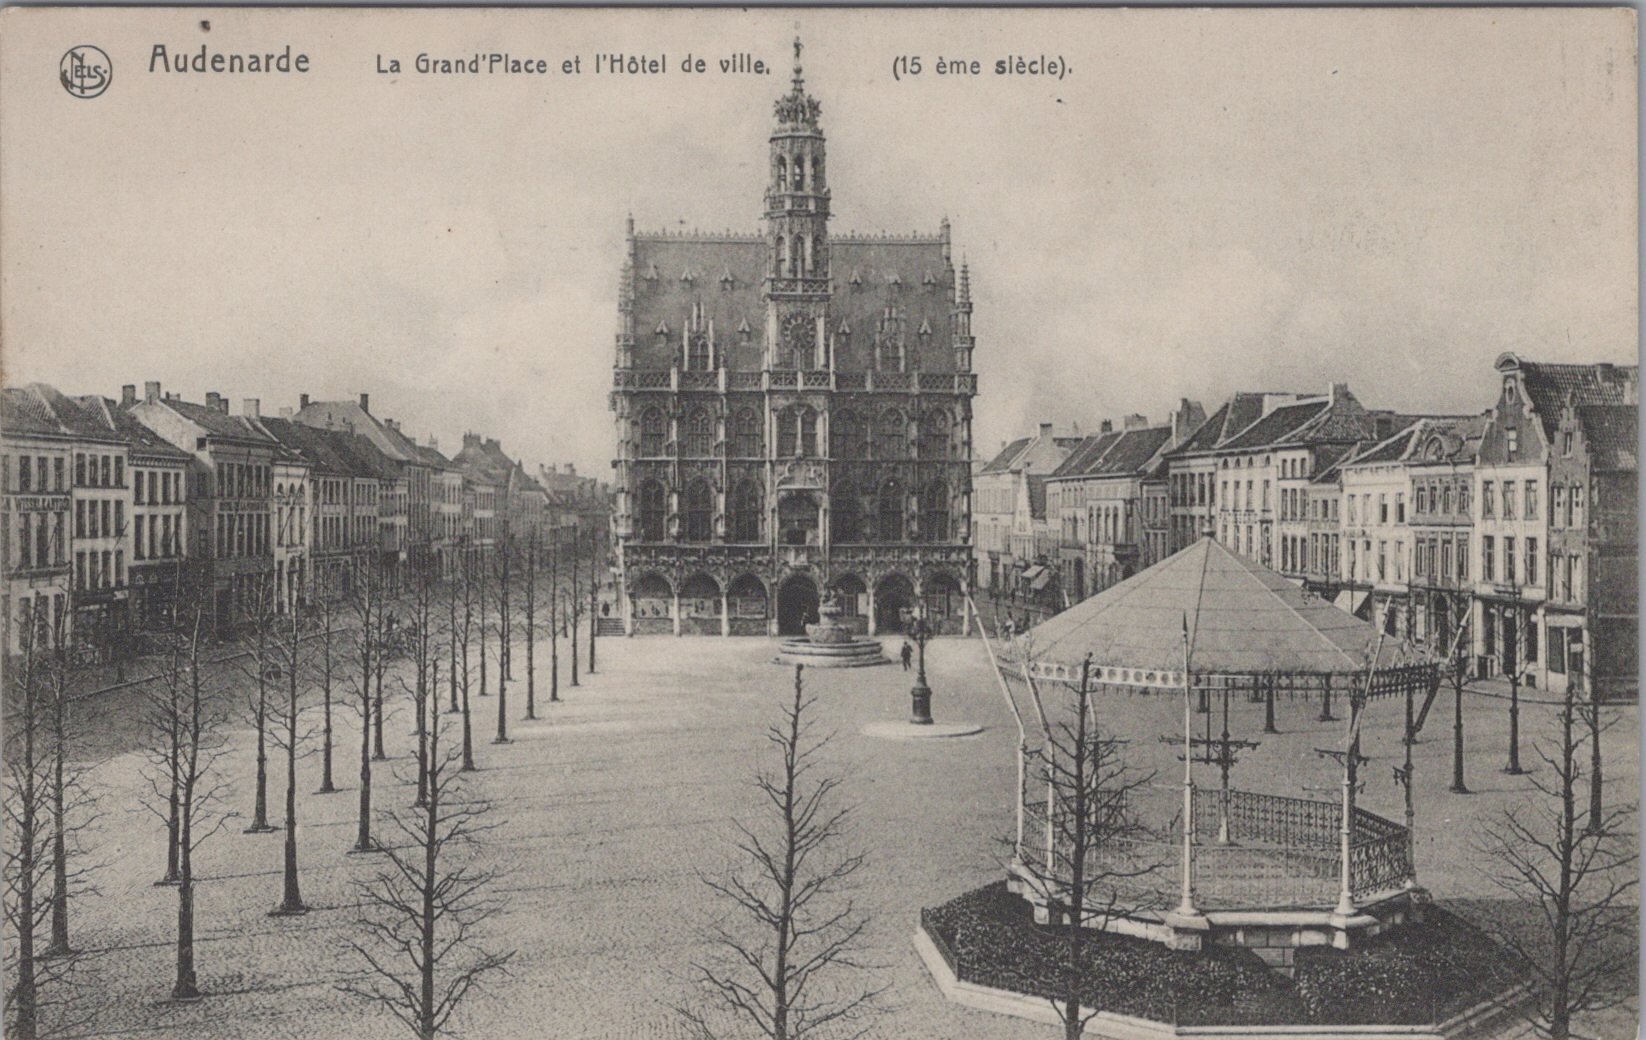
1242 619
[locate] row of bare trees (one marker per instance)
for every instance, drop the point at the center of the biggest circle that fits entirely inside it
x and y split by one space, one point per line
387 629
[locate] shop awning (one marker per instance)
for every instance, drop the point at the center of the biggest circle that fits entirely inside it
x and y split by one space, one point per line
1041 580
1031 574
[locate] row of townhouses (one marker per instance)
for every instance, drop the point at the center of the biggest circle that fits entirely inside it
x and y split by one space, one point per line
106 505
1509 535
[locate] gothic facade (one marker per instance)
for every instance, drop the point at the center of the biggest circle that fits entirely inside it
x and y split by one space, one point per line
793 415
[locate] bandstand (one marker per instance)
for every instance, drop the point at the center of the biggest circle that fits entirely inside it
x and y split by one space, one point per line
1209 863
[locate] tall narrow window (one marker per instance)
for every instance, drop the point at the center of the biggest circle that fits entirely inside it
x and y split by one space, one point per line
748 439
788 433
652 432
806 421
891 512
849 435
654 511
747 505
699 440
890 436
845 514
934 512
697 352
934 435
699 511
782 173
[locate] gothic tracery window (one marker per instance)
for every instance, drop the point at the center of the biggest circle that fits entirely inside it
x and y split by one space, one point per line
654 511
890 436
891 512
699 510
745 509
699 439
845 514
653 429
748 439
697 352
934 512
934 435
849 435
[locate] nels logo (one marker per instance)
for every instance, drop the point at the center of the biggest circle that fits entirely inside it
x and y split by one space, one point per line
85 71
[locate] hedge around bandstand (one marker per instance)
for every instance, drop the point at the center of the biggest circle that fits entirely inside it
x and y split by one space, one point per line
1417 973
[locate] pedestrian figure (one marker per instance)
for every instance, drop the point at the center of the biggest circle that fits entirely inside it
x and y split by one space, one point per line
606 609
907 654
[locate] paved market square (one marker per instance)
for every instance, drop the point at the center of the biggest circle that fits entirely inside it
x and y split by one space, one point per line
611 803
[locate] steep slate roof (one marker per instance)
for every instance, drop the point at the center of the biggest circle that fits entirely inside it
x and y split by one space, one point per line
1549 384
1392 449
1132 450
1002 463
324 450
1242 619
140 440
1090 449
1277 426
44 411
216 423
726 278
1235 415
364 458
1612 432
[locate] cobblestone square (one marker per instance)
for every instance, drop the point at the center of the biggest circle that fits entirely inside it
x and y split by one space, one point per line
617 796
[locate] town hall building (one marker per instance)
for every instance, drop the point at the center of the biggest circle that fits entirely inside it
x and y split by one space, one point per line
793 417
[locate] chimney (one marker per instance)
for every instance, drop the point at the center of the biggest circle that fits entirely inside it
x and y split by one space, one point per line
251 408
365 403
151 391
1106 426
571 469
212 399
1338 393
434 442
302 401
1045 431
128 395
1135 422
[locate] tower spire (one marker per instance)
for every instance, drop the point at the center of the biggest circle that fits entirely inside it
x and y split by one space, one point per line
799 80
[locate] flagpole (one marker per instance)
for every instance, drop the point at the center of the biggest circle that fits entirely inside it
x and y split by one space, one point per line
1186 906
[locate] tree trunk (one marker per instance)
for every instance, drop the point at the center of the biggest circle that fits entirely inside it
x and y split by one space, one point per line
431 844
260 811
59 844
326 785
185 987
377 711
531 628
554 625
24 992
594 602
292 898
571 609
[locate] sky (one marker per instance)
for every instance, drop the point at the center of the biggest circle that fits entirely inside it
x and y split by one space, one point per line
1208 201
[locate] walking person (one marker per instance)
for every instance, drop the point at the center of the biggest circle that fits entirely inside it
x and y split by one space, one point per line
907 653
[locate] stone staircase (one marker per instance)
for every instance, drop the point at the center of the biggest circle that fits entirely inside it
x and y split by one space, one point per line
609 626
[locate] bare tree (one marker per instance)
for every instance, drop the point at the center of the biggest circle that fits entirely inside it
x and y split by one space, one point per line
289 646
28 838
326 664
163 714
193 773
368 608
422 912
1089 872
786 962
505 552
421 641
531 625
554 618
261 661
1578 874
462 637
573 606
72 805
594 594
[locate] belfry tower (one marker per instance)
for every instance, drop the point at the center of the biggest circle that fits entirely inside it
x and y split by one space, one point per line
797 230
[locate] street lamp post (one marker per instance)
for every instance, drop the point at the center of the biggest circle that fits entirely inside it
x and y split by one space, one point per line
920 695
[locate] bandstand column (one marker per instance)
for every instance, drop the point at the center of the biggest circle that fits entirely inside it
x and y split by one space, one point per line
725 612
675 592
871 609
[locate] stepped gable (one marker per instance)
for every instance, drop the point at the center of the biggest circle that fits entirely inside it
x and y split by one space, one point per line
1550 386
1612 432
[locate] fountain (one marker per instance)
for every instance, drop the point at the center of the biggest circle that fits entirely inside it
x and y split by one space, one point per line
828 643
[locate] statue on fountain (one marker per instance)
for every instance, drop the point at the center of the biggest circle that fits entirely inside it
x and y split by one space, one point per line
828 630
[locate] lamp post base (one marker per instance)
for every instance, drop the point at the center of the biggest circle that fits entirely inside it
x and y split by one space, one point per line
920 701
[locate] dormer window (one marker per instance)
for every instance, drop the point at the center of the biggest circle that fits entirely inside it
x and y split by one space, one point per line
1509 390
